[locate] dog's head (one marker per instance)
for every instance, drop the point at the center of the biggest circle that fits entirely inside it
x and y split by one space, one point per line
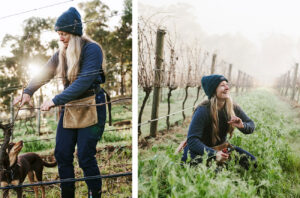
10 160
13 151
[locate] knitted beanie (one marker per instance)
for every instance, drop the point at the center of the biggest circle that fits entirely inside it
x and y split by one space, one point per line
210 83
69 21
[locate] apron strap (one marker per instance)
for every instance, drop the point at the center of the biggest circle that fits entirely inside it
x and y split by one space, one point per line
109 107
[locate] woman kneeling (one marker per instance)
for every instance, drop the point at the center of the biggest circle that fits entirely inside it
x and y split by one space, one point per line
213 120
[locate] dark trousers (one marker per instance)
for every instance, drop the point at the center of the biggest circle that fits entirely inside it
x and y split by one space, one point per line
244 158
86 140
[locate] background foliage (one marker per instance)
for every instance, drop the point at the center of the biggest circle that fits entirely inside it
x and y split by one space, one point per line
30 46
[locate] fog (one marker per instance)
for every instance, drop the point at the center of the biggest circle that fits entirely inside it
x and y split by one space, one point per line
254 39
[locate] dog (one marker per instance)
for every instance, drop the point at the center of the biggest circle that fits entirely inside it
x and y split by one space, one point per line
18 167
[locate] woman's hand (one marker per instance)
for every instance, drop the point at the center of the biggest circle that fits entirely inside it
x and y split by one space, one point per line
23 99
236 122
221 157
47 105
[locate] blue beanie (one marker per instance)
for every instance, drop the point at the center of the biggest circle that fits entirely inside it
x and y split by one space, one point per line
210 83
69 21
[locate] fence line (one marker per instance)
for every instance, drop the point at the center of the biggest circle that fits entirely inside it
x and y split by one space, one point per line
16 87
82 105
159 118
44 139
69 180
35 9
288 84
114 101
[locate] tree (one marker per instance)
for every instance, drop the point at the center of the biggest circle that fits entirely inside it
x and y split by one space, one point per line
25 48
96 14
121 43
116 44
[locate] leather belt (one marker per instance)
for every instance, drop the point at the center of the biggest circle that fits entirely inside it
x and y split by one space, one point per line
89 93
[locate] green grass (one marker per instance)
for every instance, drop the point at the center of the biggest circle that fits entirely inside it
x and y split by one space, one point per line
37 146
115 136
277 174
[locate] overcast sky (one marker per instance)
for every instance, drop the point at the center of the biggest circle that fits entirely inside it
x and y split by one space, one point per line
13 25
261 37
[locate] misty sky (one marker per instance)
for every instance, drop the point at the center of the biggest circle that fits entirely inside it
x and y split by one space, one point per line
262 38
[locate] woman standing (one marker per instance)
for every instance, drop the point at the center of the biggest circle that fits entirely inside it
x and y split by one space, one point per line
213 120
79 63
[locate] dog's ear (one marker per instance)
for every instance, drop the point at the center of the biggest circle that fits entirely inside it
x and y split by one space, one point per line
9 147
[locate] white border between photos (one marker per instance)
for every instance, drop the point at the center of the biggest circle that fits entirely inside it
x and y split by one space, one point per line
134 101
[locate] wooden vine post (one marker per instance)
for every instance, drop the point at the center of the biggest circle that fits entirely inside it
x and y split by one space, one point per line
38 120
294 82
171 84
12 112
283 84
287 83
213 64
229 72
238 82
157 79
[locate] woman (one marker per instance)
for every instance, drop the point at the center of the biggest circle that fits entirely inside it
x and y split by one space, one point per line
213 120
79 63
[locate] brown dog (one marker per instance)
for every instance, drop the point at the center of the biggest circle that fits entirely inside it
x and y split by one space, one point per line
18 167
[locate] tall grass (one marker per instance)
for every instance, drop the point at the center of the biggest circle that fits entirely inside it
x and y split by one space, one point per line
277 174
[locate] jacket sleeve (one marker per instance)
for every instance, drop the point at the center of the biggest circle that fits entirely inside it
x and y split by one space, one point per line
91 63
196 131
46 74
249 125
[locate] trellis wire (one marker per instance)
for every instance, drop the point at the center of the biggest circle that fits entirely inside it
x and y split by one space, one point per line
69 180
35 9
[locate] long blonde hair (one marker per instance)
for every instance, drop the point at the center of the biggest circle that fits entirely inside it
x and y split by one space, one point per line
69 58
215 117
213 107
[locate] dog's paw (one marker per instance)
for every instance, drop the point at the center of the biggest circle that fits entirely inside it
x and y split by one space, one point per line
15 182
3 184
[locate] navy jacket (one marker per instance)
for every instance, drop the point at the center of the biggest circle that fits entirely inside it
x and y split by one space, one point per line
88 78
199 137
